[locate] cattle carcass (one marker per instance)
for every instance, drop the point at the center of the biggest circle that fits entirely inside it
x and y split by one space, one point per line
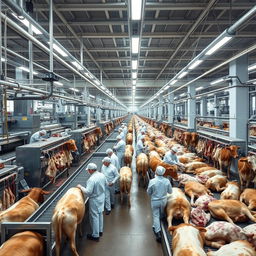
194 189
247 170
216 183
230 210
183 178
225 157
25 243
128 155
186 138
199 217
177 206
204 169
232 191
249 197
129 138
237 248
203 201
250 232
125 183
190 167
155 160
222 232
68 213
187 240
22 209
142 166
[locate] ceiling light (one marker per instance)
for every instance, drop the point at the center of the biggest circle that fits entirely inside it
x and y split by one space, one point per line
77 65
134 75
58 49
175 98
183 74
134 82
3 59
97 82
211 94
223 41
195 64
135 44
252 67
74 89
199 88
91 96
26 23
173 82
183 94
217 81
27 70
167 87
58 83
89 75
136 6
134 64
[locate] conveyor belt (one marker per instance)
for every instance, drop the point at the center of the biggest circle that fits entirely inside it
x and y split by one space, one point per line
107 144
113 135
7 155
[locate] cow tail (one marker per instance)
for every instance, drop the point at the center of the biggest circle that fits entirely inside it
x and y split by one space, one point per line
60 224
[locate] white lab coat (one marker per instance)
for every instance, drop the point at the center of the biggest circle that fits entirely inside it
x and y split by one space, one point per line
95 190
35 137
120 150
140 148
112 176
158 189
114 161
125 131
122 135
171 158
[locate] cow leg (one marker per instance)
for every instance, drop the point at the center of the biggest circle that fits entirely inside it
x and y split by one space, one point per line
247 183
129 199
186 216
248 214
228 170
216 244
121 196
192 196
73 242
220 213
57 238
80 229
169 218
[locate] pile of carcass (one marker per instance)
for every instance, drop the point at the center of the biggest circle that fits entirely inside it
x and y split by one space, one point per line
90 139
216 202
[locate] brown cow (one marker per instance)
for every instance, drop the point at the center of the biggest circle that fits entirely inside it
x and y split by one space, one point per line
128 155
22 209
194 140
155 160
129 138
232 191
26 243
216 183
226 155
142 166
125 183
249 197
187 138
68 213
247 170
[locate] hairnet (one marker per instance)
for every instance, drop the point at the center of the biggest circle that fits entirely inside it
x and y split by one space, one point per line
91 166
106 160
160 170
109 150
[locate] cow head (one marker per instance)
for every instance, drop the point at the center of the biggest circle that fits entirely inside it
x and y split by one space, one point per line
252 160
37 194
233 149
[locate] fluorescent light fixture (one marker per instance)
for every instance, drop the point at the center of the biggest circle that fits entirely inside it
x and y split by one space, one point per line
89 75
183 74
167 87
134 75
175 98
135 44
58 83
195 64
134 64
133 88
3 59
136 6
217 81
226 90
77 65
58 49
173 82
27 70
91 96
74 89
26 23
134 82
223 41
97 82
211 94
252 67
199 88
183 94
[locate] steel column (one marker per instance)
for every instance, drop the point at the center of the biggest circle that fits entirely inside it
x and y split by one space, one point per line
191 106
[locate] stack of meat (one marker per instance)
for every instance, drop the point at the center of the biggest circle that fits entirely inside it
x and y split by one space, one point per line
8 193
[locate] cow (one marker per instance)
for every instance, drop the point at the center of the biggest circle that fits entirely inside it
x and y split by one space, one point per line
187 240
230 210
129 138
155 160
187 139
125 183
225 157
237 248
194 140
194 189
221 232
203 169
68 213
247 170
249 197
142 166
232 191
250 232
216 155
211 173
177 206
203 201
183 178
190 167
128 155
22 209
25 243
216 183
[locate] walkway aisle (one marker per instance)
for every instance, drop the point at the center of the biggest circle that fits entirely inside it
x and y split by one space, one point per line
127 231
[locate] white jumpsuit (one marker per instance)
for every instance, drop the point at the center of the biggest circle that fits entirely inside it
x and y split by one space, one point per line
120 150
35 137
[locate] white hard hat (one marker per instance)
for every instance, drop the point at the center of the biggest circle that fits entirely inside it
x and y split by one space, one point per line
160 170
118 137
120 129
91 166
174 149
43 132
106 160
109 151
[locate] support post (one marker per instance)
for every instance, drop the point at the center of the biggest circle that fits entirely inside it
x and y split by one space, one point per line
191 106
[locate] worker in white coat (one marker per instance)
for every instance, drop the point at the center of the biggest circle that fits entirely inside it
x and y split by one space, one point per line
120 150
140 147
170 157
158 189
112 175
141 133
95 190
125 130
121 133
38 136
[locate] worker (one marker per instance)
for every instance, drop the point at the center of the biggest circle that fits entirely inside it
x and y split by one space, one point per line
170 157
120 150
38 136
157 190
141 133
121 133
141 148
95 190
125 130
112 175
